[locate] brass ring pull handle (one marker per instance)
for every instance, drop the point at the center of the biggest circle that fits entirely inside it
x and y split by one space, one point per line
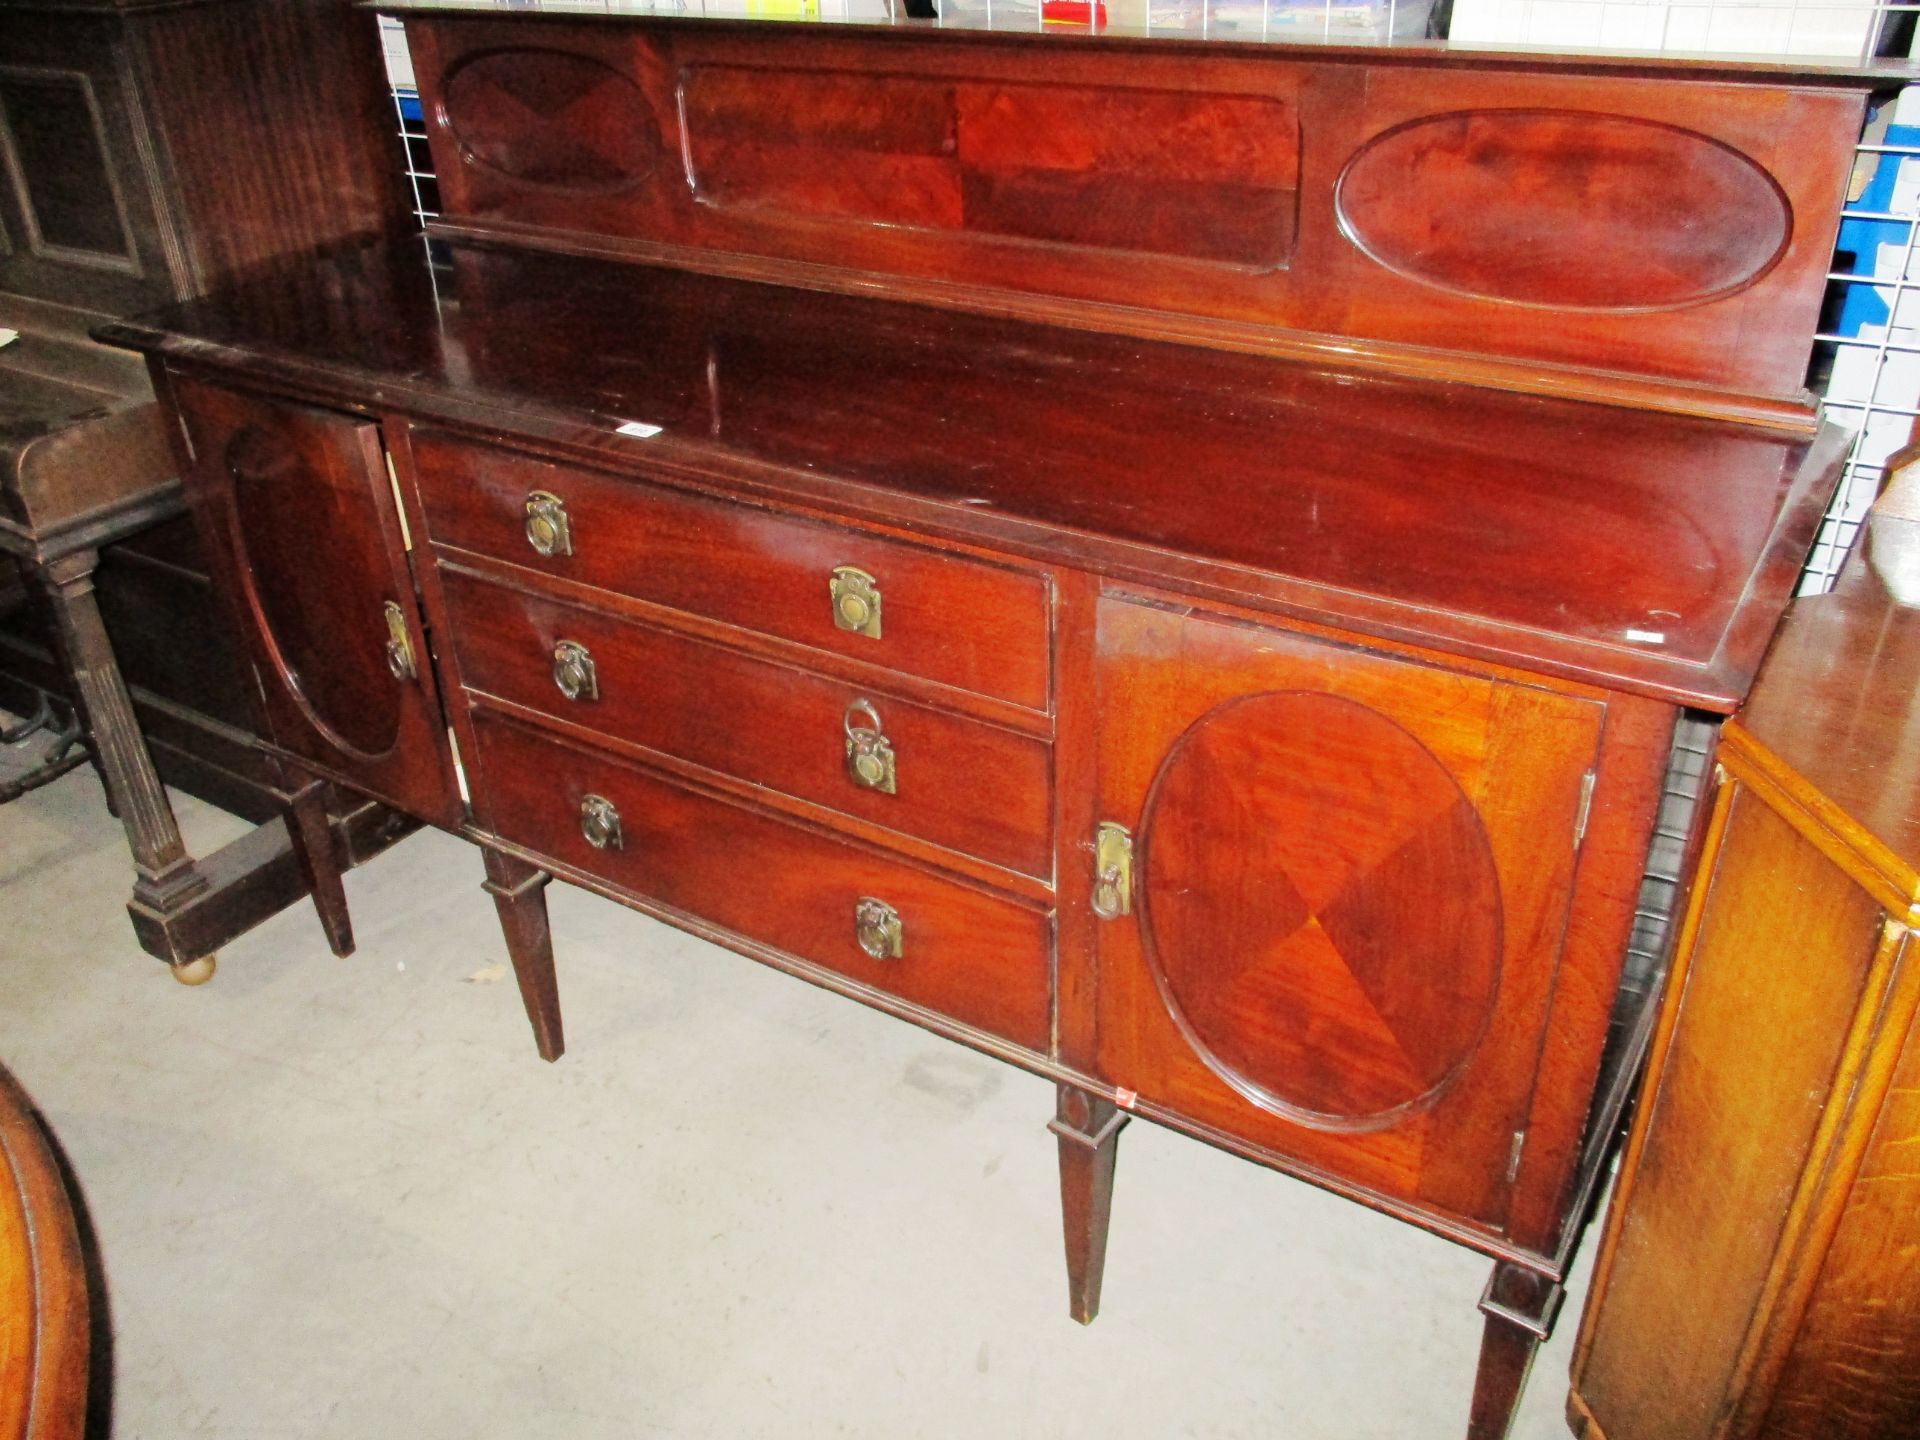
870 762
877 929
856 601
549 531
400 661
573 671
600 823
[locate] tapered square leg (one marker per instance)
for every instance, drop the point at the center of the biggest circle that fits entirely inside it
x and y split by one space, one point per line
1521 1306
312 836
1088 1130
519 894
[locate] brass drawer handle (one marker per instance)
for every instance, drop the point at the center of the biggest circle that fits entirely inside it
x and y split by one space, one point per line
400 659
876 926
600 823
573 671
548 529
869 753
856 601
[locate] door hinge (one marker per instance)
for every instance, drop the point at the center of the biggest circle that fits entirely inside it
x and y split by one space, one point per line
399 507
1112 871
1513 1154
1586 809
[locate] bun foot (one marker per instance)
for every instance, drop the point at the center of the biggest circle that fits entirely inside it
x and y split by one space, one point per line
194 972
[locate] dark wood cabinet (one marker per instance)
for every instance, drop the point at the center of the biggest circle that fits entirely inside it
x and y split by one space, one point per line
147 152
148 149
1043 552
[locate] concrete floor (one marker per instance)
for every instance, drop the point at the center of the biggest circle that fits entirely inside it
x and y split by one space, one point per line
344 1198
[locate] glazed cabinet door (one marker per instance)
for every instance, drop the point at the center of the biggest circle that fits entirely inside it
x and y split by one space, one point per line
298 518
1349 877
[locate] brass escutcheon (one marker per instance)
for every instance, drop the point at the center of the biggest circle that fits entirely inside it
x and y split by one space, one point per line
548 529
856 601
1112 871
399 648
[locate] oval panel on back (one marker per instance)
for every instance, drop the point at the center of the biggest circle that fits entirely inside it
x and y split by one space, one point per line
1563 209
1322 908
548 118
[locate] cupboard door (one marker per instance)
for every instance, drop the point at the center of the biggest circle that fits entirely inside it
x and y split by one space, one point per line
1350 877
298 517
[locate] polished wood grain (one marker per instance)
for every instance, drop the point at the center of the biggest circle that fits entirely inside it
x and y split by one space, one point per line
1209 178
1638 551
277 127
1279 979
1435 200
550 119
1341 975
982 163
962 784
965 952
980 627
305 543
1854 1372
43 1287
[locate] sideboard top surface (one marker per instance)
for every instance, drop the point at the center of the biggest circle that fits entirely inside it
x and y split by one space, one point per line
1216 24
1632 549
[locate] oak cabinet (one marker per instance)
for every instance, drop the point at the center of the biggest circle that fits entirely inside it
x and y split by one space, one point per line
1759 1274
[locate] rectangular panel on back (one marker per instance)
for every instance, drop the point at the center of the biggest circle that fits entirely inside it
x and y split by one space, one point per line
1188 176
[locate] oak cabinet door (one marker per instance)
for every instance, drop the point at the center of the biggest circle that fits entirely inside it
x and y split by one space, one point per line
298 517
1350 877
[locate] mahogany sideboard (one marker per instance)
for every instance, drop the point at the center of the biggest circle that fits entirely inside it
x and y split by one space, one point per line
1177 566
1759 1275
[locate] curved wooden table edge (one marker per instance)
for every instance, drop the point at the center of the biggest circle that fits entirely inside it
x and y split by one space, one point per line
43 1289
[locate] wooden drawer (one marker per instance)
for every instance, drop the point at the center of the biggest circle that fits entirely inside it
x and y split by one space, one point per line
960 783
964 952
960 622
